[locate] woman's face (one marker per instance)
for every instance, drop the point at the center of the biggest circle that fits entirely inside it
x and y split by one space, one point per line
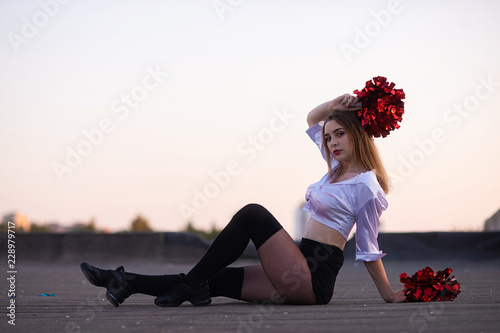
338 142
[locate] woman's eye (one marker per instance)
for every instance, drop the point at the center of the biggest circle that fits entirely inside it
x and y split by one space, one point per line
327 139
339 134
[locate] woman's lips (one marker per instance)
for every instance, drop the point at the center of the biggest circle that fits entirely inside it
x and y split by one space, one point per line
337 151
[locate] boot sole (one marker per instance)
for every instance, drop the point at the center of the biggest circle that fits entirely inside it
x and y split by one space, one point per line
112 299
109 294
194 303
202 303
168 305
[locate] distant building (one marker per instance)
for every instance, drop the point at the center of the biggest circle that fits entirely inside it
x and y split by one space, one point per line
57 228
493 223
301 218
61 229
21 221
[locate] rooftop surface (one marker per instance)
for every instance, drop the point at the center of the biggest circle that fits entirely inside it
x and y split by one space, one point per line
78 306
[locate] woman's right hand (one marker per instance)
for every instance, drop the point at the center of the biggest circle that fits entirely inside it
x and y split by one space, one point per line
346 102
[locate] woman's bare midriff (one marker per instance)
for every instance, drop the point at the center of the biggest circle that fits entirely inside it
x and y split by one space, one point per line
321 233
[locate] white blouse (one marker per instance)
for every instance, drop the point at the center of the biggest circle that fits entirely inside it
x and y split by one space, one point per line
340 205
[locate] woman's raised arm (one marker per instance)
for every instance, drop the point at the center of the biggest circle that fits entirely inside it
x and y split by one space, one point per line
345 102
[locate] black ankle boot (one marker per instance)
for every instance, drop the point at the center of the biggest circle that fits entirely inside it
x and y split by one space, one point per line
182 292
112 280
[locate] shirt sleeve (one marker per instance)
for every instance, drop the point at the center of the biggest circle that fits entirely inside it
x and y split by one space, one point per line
316 134
367 220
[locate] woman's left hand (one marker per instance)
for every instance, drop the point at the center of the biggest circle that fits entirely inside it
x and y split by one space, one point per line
398 297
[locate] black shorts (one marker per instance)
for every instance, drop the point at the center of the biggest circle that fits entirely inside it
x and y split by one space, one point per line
324 263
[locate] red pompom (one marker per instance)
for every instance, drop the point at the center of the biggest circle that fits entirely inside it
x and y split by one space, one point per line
382 106
427 286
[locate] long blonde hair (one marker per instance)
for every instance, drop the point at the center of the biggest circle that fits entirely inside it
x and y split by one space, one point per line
364 150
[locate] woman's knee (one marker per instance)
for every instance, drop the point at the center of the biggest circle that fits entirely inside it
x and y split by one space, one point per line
254 209
253 214
258 222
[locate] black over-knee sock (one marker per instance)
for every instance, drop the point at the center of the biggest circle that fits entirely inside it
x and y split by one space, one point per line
154 285
228 282
252 222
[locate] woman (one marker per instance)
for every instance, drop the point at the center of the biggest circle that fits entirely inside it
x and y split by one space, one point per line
353 191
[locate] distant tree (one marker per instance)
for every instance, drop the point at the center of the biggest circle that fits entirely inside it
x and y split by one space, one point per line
39 228
140 224
89 227
212 234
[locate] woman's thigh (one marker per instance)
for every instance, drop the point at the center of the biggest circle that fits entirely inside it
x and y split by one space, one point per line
257 287
284 275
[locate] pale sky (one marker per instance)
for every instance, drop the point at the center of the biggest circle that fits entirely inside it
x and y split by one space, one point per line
182 110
